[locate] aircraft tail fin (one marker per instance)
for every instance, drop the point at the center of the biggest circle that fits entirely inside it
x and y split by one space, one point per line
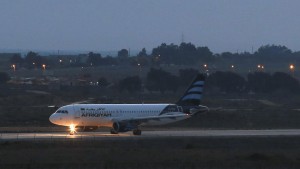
193 94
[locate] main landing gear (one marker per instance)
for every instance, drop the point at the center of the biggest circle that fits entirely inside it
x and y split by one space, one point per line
137 132
113 131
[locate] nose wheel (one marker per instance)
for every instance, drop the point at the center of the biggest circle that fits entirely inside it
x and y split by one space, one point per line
72 132
72 129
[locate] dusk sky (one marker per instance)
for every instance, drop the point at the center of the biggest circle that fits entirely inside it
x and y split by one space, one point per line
106 25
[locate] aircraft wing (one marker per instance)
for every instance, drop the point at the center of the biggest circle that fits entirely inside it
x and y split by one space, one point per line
140 120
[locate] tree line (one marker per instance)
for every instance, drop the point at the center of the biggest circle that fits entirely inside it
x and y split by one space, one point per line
218 82
159 80
164 54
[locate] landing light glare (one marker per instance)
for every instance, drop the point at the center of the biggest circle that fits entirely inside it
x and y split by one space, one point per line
72 129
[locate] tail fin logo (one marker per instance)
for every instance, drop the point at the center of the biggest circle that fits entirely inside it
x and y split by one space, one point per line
193 94
195 91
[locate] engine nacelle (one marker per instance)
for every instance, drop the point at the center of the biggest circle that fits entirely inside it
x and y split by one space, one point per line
122 127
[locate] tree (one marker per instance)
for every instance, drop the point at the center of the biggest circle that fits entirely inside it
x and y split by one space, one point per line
226 81
103 82
16 59
4 77
267 52
164 54
132 84
205 54
123 56
94 59
142 53
284 81
187 54
141 59
33 60
172 83
259 82
186 76
160 80
123 53
109 60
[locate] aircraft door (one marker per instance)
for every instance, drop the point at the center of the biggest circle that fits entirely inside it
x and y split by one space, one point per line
180 109
77 112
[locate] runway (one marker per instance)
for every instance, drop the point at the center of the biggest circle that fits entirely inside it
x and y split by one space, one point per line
148 134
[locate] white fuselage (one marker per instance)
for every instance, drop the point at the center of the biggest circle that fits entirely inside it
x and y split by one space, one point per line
107 114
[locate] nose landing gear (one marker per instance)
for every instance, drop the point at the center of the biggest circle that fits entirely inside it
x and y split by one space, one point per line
72 129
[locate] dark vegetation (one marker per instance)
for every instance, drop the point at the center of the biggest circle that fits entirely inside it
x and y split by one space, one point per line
271 57
4 77
219 81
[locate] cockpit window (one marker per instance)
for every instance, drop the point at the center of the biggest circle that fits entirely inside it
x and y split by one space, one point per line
62 111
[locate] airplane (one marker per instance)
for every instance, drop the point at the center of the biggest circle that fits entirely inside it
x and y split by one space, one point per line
130 117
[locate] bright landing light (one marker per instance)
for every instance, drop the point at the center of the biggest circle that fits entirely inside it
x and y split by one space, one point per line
72 129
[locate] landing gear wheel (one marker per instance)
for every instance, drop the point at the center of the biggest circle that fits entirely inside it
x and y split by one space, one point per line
112 131
72 132
137 132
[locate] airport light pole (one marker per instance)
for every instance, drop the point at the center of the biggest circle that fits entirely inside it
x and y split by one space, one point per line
14 67
44 67
260 67
205 66
139 69
292 69
232 68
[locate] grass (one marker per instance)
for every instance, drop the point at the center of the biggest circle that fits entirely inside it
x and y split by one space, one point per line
180 152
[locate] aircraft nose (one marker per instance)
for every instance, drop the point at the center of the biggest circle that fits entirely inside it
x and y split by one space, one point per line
53 119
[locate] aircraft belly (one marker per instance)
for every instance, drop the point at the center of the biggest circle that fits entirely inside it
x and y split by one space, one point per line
165 120
92 121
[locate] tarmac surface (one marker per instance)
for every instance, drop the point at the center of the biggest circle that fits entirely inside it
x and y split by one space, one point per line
147 134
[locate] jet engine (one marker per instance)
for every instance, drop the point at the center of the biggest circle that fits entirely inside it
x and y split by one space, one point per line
121 127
